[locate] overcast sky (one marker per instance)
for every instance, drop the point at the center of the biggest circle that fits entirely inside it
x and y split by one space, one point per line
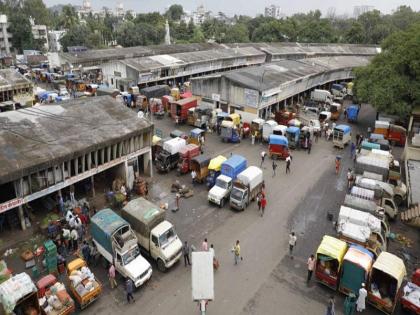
249 7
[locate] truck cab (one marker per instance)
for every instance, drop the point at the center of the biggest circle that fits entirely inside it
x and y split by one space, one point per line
239 196
220 191
387 203
156 236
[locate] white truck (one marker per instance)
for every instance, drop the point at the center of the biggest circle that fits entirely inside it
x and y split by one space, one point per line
382 189
365 229
117 243
221 190
156 236
268 129
322 96
246 187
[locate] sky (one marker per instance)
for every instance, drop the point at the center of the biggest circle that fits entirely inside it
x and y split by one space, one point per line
248 7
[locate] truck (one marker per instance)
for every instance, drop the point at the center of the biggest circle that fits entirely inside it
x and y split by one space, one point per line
352 113
246 187
117 243
83 284
394 133
268 129
386 206
374 164
156 236
322 96
382 189
168 157
179 109
185 155
338 91
49 282
229 132
220 192
335 110
357 227
18 295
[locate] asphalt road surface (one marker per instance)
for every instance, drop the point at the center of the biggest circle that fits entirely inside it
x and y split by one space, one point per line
267 281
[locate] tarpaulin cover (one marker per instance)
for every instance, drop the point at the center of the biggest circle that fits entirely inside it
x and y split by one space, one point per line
391 265
12 290
277 139
332 247
293 130
196 132
360 256
216 163
344 128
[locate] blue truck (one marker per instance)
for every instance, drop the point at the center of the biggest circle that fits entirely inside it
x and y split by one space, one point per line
118 244
230 169
352 113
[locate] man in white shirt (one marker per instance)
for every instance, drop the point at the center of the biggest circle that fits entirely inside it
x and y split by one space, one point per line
311 267
193 176
292 243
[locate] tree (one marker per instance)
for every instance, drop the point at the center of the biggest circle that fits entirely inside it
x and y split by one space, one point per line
237 33
21 31
390 81
355 34
68 17
175 12
76 36
38 11
403 17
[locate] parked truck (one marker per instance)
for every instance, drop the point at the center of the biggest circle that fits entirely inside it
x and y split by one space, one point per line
220 192
376 208
168 157
394 133
387 203
390 171
246 187
117 243
156 235
179 109
382 189
83 284
322 96
185 155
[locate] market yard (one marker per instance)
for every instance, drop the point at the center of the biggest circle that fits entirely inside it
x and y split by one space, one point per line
306 201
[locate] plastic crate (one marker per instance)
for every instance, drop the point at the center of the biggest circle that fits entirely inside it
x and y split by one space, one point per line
50 248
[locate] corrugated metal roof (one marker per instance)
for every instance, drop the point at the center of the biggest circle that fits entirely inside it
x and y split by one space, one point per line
38 137
10 78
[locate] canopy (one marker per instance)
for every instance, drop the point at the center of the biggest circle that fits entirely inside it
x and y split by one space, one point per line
292 129
75 264
344 128
156 139
15 288
235 118
370 145
277 139
391 265
360 256
202 160
332 247
216 163
376 136
196 132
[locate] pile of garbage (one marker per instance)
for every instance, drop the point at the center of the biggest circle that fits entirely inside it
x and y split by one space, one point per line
83 280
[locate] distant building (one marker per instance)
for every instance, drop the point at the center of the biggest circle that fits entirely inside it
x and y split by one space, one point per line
54 40
14 88
5 36
198 16
39 32
273 11
119 10
85 9
360 9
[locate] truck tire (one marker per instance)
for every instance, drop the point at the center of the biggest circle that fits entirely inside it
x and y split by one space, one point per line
161 265
398 200
222 203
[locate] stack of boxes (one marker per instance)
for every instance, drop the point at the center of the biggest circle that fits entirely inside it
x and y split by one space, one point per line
50 256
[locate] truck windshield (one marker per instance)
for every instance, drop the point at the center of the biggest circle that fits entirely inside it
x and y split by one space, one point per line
237 194
130 256
167 237
221 183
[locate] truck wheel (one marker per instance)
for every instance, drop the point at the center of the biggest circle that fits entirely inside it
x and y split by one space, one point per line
222 203
161 265
398 200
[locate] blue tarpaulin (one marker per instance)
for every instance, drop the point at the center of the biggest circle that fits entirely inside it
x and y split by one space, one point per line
293 130
344 128
233 166
277 139
352 112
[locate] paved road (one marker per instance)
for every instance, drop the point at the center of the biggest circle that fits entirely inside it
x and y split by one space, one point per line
267 281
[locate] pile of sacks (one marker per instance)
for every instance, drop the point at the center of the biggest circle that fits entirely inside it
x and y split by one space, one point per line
56 298
83 280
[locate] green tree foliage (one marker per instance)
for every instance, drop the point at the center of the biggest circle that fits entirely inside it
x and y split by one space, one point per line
237 33
38 11
391 81
76 36
175 12
21 31
355 34
68 17
130 34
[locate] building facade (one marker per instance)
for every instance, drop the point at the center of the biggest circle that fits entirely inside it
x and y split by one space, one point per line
5 36
40 33
361 9
54 40
14 88
273 11
105 140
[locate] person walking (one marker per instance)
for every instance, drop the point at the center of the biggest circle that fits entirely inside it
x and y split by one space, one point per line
237 252
263 204
349 179
352 150
311 267
215 261
73 239
205 246
274 168
288 160
129 290
259 196
193 176
309 146
186 251
337 165
262 158
86 252
72 198
111 277
330 306
292 243
361 299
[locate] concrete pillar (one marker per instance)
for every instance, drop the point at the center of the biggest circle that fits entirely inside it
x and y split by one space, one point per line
147 165
21 218
92 181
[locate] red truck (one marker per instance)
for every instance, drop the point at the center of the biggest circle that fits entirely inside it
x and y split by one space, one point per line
393 133
179 109
187 153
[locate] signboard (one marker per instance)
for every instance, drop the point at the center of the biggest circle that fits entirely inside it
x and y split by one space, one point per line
20 201
117 74
215 97
251 97
202 276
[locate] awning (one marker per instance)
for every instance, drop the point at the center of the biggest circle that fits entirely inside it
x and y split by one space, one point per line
332 247
391 265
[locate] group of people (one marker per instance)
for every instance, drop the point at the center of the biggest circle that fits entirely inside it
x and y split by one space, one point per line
360 304
288 160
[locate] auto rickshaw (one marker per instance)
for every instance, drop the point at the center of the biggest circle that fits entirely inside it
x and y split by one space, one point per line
214 168
278 147
200 164
195 136
235 118
220 118
293 135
